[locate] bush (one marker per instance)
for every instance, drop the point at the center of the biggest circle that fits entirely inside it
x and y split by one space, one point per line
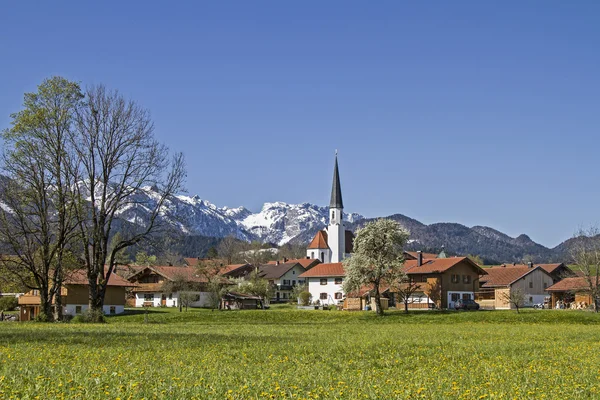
89 316
305 298
8 303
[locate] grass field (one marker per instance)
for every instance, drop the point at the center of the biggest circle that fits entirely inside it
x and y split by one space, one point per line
285 353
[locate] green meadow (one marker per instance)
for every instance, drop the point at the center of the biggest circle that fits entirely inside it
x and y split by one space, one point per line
287 353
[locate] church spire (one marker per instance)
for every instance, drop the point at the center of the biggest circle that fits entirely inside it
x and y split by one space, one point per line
336 188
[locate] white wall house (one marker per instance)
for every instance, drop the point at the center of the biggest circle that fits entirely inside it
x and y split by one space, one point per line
158 299
151 280
325 283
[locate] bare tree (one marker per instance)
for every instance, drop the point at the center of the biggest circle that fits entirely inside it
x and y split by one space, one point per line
405 289
216 284
119 161
514 297
585 254
377 258
229 249
37 220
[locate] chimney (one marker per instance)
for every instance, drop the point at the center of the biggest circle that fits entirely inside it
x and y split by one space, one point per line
277 262
530 264
285 260
419 258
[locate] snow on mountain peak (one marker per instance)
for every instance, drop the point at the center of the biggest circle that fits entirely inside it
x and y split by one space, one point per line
277 222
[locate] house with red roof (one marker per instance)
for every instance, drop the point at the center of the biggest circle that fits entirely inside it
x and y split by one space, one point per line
325 283
499 282
75 296
150 286
440 282
572 292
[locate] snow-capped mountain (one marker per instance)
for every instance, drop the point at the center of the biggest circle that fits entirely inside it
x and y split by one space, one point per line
276 223
280 222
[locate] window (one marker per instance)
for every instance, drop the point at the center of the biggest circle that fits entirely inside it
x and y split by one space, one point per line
324 281
113 310
323 296
466 296
338 296
466 278
545 285
312 255
77 309
455 278
170 296
293 283
423 278
338 281
301 282
455 296
322 257
286 282
531 299
293 272
284 295
149 297
530 285
333 215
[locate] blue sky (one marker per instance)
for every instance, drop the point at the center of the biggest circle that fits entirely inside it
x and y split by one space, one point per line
482 113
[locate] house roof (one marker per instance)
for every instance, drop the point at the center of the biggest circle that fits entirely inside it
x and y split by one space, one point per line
305 262
505 276
319 241
241 296
276 271
412 255
191 261
171 273
324 270
228 269
438 265
569 285
549 268
79 277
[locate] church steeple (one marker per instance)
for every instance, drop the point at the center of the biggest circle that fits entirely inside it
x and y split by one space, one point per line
336 188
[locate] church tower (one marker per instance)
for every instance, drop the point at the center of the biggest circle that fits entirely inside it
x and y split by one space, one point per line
336 231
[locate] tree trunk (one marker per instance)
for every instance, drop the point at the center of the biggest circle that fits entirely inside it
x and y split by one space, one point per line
406 306
58 314
45 314
378 307
96 303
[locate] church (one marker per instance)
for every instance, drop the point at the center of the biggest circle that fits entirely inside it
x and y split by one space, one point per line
334 243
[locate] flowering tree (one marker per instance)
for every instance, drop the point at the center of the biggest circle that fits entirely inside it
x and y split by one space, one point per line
377 258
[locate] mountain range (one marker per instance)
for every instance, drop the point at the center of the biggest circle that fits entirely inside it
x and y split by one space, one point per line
280 223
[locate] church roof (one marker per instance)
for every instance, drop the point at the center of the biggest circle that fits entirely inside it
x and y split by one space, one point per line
319 241
336 188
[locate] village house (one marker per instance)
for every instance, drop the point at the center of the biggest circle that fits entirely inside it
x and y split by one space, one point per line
151 286
500 282
441 281
283 278
572 292
558 271
325 283
75 296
